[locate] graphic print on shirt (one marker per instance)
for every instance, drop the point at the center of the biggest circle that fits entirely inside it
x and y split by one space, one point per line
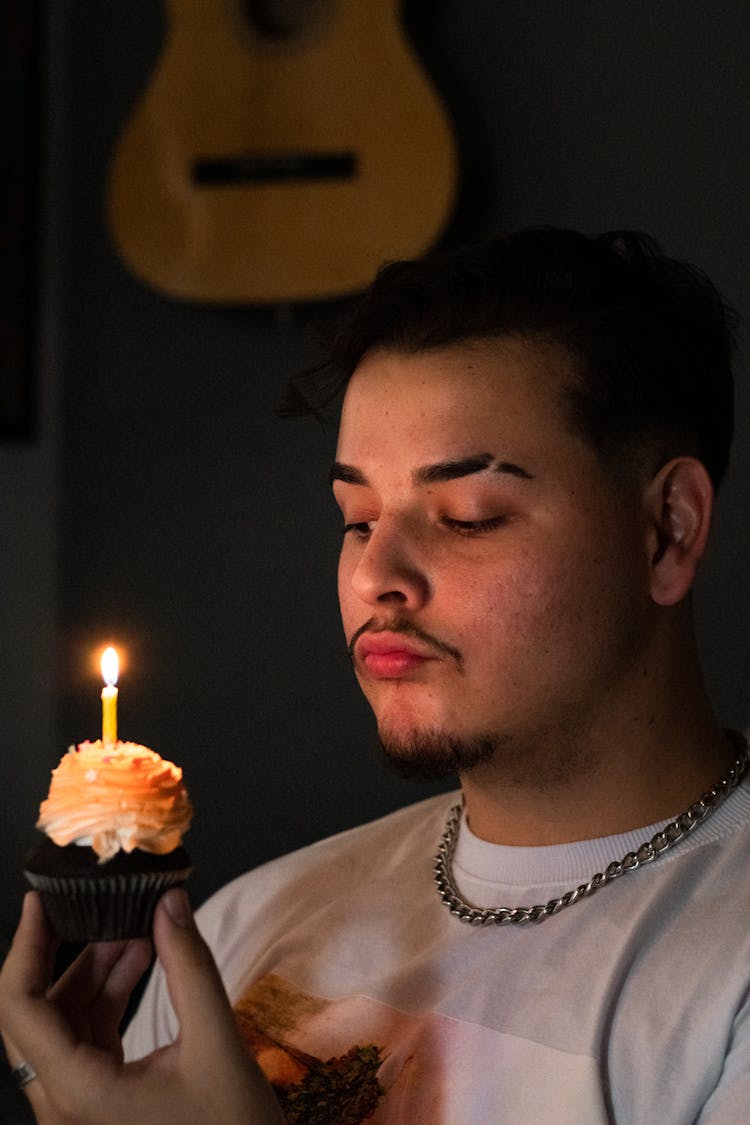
335 1062
356 1059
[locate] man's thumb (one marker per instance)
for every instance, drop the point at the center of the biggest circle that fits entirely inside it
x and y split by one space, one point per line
195 987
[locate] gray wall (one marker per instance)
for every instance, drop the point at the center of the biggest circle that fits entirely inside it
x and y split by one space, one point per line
166 507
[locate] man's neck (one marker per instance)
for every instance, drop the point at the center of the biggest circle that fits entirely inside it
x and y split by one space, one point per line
583 784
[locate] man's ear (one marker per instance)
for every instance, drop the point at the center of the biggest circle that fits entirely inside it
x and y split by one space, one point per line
680 502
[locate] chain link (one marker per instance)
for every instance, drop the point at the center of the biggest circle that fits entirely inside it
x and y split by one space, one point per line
648 851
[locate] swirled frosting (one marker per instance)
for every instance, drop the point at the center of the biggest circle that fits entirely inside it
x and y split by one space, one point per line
113 797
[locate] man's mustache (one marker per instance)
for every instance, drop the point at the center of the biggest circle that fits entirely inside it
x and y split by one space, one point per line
407 629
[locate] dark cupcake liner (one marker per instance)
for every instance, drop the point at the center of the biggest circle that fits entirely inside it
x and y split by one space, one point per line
105 908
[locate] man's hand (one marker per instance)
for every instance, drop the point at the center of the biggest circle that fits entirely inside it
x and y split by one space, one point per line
69 1033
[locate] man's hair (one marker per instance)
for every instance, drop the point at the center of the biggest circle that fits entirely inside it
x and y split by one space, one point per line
650 337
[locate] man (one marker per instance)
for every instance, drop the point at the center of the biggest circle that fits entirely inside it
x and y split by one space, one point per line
531 437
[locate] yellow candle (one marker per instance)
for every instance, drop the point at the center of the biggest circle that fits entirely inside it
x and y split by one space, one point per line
110 669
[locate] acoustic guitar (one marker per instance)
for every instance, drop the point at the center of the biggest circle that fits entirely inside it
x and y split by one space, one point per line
282 150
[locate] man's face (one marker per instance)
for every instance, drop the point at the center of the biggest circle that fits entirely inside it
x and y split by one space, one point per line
493 576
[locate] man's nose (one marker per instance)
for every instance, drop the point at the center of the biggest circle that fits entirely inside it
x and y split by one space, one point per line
391 568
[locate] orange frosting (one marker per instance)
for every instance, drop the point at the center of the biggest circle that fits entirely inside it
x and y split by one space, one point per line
120 796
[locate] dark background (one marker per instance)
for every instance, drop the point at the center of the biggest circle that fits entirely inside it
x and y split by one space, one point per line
164 507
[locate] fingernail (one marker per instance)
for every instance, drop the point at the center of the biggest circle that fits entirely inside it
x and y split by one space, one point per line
177 906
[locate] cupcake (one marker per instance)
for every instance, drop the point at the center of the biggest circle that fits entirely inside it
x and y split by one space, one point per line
114 821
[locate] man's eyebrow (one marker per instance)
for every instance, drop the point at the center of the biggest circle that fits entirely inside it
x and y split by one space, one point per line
514 470
346 473
440 471
464 467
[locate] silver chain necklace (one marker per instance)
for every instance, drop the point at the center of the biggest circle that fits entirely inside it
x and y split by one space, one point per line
648 851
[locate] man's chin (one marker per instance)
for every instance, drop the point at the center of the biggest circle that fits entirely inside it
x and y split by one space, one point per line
435 754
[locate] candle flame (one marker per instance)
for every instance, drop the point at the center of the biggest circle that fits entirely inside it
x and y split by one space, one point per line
110 665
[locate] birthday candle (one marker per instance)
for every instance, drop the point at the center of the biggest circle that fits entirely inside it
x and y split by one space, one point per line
110 668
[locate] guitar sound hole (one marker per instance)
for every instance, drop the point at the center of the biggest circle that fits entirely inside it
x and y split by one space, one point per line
274 168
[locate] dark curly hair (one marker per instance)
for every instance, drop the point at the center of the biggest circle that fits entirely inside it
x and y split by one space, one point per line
651 337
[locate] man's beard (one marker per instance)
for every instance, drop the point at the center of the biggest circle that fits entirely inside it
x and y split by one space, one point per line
433 754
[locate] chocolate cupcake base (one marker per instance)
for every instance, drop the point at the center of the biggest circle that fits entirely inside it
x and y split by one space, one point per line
88 901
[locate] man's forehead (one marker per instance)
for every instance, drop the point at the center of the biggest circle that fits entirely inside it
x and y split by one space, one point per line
480 395
515 373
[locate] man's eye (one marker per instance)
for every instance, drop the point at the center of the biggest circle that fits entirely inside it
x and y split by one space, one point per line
360 531
474 527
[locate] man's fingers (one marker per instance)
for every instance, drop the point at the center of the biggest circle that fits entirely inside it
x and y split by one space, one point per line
210 1054
82 981
124 975
206 1075
109 1008
31 1027
194 984
104 972
33 950
37 1030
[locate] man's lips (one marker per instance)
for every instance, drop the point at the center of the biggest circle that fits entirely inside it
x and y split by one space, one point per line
397 648
391 655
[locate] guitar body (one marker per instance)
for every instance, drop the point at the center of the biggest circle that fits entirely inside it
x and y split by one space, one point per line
264 168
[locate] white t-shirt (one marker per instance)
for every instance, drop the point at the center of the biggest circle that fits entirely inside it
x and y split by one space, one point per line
364 999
